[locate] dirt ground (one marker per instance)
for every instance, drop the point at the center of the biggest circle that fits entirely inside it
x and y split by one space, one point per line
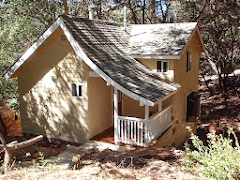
31 152
213 109
142 163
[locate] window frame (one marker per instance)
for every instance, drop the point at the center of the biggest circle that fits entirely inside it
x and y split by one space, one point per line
77 90
162 62
189 61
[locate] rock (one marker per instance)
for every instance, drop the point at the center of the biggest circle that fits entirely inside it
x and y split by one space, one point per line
11 121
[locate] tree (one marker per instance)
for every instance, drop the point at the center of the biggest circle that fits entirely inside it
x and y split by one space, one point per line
219 22
21 23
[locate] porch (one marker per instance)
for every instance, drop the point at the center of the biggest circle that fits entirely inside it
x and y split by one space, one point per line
133 130
138 131
142 132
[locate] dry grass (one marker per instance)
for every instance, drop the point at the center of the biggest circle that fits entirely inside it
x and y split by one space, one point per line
94 170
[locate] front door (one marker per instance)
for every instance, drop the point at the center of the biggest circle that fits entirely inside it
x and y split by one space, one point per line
119 103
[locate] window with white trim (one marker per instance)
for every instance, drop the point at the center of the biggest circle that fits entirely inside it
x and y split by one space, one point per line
189 60
162 66
77 90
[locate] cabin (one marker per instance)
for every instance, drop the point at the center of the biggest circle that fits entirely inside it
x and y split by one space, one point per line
82 77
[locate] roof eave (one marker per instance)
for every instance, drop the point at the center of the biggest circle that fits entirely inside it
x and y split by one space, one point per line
196 29
11 71
139 56
169 95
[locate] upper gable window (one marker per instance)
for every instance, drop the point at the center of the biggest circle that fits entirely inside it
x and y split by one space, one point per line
77 90
189 60
162 66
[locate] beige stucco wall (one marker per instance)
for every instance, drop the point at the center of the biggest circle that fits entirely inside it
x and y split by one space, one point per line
152 64
188 80
46 104
99 106
176 135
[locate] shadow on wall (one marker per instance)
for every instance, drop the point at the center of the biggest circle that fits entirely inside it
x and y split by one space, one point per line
50 108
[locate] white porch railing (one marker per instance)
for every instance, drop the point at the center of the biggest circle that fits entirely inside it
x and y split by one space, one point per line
131 130
142 132
159 122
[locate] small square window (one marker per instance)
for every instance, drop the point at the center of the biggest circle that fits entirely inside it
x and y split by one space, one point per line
76 90
189 61
162 66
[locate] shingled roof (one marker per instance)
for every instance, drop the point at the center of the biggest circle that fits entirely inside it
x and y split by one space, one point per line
105 48
160 39
105 44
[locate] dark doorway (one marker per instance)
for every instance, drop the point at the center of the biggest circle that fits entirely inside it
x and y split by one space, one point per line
192 106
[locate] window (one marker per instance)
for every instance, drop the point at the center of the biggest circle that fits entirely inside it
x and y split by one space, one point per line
76 90
189 61
162 66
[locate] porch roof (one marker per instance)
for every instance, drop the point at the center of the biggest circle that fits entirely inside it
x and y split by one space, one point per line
105 44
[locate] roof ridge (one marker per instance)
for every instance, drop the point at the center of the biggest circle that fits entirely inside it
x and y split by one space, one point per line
93 20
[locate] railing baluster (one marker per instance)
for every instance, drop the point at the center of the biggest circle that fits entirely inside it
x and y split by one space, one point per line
118 126
121 130
125 130
141 134
138 134
135 132
146 135
128 132
131 138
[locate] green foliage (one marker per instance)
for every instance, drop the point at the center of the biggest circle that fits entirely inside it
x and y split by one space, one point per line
219 160
21 23
42 163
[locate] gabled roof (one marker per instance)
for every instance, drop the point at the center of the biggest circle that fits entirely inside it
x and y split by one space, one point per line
105 45
104 48
167 39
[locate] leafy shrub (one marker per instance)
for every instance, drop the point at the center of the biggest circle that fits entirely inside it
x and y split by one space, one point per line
42 163
218 160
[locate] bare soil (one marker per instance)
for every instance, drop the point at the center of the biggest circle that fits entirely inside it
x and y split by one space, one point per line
214 109
142 163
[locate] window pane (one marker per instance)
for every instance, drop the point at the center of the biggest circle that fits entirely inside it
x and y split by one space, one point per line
159 66
189 59
165 66
80 90
74 89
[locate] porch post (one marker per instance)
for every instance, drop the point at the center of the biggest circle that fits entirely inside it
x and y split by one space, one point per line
146 126
115 99
160 106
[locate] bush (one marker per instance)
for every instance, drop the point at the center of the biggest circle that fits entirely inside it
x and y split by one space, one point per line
218 160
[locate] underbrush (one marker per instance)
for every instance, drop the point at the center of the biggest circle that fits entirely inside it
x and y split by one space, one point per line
218 160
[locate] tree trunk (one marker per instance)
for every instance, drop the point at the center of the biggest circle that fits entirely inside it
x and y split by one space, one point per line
143 11
9 149
8 154
235 86
207 84
65 7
